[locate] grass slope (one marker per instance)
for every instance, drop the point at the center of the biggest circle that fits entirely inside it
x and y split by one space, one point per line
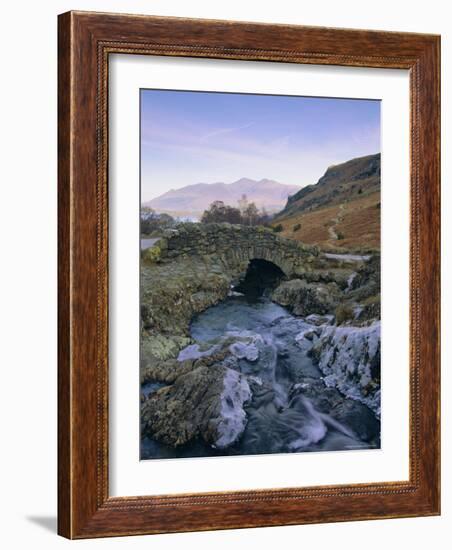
341 211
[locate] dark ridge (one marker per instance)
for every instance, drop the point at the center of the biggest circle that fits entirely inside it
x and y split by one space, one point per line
340 182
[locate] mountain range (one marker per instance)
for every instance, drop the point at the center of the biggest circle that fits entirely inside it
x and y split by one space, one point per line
194 199
340 211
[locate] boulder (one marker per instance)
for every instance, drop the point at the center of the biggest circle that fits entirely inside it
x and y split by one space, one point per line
243 350
164 371
160 347
366 282
207 402
168 371
304 298
350 413
318 320
349 358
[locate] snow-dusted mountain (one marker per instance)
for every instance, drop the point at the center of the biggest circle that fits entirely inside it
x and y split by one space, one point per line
266 193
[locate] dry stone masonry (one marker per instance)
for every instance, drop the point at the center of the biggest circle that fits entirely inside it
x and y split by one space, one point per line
234 246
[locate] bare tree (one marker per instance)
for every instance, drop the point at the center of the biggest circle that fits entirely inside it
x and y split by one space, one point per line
243 203
251 214
219 212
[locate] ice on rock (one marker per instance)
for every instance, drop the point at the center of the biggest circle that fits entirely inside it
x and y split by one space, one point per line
306 334
236 392
318 320
242 350
246 346
349 358
350 280
193 351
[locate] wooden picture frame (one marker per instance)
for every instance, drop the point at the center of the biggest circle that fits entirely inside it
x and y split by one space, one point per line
85 42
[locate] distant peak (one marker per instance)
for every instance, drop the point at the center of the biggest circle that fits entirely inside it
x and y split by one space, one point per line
243 180
251 181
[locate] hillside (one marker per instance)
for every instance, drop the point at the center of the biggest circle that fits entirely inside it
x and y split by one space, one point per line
342 210
266 193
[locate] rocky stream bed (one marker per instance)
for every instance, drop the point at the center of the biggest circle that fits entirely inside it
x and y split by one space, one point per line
260 363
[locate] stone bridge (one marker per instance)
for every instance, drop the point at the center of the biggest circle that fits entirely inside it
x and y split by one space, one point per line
234 246
194 266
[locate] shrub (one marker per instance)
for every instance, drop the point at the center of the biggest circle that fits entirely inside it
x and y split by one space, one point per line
152 254
297 227
340 236
219 212
343 313
151 222
278 228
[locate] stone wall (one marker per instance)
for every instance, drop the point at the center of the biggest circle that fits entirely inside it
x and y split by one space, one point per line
234 246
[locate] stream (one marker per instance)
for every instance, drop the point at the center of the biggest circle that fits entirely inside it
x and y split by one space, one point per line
291 409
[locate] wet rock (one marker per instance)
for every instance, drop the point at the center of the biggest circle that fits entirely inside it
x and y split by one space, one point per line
352 414
282 352
307 334
244 344
246 351
206 402
168 371
164 371
173 292
359 418
366 282
340 276
318 320
368 273
304 298
161 347
349 358
370 309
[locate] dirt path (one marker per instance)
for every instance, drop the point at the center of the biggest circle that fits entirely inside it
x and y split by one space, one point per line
332 229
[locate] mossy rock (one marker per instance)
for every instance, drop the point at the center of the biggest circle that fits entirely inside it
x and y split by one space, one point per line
152 254
344 313
162 347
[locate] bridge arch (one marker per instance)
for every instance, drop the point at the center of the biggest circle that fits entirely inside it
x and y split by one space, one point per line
261 276
235 246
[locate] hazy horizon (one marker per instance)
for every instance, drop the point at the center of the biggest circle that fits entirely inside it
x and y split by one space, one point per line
209 137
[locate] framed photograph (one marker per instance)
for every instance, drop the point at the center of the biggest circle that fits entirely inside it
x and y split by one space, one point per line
248 275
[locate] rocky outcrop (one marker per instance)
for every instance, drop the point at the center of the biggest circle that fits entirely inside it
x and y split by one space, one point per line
348 412
352 297
349 358
340 211
304 298
205 403
172 293
159 347
366 282
340 183
168 371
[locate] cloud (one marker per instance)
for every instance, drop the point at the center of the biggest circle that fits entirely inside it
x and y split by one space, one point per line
222 131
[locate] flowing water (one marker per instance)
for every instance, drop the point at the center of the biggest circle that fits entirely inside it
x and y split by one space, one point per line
291 409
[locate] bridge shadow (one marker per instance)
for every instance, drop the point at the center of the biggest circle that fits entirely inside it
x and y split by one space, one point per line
260 276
